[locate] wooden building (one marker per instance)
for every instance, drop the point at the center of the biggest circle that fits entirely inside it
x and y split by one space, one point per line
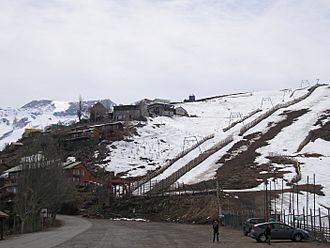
83 133
78 173
130 112
117 186
161 109
111 131
98 112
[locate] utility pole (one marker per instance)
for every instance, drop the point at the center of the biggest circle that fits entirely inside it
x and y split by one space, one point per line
218 197
270 199
282 199
266 200
314 191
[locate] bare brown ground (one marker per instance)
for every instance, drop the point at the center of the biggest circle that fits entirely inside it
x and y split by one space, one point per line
239 170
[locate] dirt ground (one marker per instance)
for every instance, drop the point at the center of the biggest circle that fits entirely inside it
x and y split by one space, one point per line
126 234
239 169
182 209
186 208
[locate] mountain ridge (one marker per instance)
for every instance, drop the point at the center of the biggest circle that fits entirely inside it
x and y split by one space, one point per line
39 114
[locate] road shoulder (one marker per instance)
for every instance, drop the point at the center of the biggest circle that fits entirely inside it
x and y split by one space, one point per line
72 226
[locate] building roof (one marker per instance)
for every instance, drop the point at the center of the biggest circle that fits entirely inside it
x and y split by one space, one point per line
181 108
3 215
19 168
126 107
14 169
70 165
109 124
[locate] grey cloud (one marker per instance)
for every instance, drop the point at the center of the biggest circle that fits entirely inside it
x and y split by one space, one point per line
126 50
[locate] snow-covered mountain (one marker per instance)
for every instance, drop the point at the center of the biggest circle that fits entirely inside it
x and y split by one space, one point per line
274 136
163 138
39 114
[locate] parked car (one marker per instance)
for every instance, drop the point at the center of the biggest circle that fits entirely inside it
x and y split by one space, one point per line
248 224
278 231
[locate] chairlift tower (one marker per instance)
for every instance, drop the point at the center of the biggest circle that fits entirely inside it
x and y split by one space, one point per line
266 100
304 83
233 116
188 140
286 92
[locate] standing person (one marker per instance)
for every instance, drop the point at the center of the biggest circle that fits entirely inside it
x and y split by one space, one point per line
215 226
268 232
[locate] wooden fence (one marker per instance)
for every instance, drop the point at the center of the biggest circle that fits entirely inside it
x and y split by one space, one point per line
241 121
167 182
316 224
155 173
174 189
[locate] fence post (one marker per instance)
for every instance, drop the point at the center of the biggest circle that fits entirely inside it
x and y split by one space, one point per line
320 224
304 217
329 221
312 222
162 187
314 191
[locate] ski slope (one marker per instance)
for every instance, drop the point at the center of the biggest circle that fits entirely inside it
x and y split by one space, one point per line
163 137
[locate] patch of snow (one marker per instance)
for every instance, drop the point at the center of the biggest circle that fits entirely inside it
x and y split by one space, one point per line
319 146
132 219
61 106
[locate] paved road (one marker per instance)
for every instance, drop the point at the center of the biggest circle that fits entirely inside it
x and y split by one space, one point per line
120 234
80 233
72 227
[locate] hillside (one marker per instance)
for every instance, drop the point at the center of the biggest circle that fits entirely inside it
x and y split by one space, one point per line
163 138
240 139
289 144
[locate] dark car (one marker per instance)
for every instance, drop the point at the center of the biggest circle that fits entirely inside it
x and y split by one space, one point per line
278 231
249 223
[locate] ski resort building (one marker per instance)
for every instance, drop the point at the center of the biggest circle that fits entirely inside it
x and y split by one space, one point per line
78 173
130 112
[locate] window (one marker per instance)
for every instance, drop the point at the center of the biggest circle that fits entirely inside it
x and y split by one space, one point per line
75 180
76 172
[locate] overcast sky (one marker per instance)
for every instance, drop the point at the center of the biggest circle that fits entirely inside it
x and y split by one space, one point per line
126 50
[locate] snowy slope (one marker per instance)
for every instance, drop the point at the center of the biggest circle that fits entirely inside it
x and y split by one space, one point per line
288 141
163 138
37 114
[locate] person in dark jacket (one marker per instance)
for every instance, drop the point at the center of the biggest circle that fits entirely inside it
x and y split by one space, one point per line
215 226
268 232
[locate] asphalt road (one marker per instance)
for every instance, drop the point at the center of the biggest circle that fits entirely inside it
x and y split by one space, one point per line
81 233
121 234
72 226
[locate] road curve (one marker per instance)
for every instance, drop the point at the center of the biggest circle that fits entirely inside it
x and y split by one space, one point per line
72 226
